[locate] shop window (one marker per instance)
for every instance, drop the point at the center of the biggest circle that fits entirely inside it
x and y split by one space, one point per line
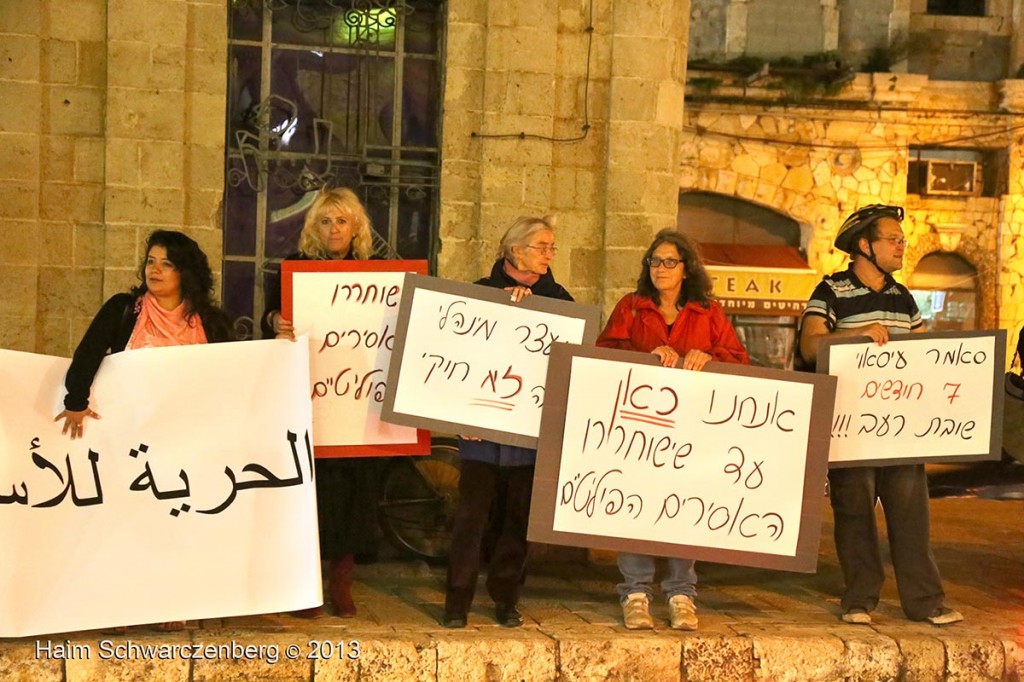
945 287
958 8
957 172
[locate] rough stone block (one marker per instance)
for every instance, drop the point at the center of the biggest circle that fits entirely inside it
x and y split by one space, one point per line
22 106
21 285
640 658
92 63
164 207
54 243
205 113
80 20
122 164
125 670
20 55
71 202
204 167
161 164
154 21
1014 656
18 243
89 159
19 157
58 158
66 291
529 94
522 49
718 659
204 70
872 659
131 64
168 68
781 659
20 18
149 114
19 200
19 333
973 659
117 280
58 62
585 268
89 246
73 110
465 45
633 99
642 57
519 658
458 220
204 208
206 26
924 659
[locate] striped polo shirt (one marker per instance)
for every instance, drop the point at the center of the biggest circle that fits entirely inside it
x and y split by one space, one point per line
845 302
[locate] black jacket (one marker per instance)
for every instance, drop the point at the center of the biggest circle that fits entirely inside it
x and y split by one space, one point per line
110 331
545 286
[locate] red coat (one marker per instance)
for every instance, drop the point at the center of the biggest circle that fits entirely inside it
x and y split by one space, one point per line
637 324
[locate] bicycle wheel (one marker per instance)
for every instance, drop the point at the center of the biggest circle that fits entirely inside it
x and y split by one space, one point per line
418 500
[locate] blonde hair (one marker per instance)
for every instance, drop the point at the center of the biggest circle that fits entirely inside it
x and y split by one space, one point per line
346 201
519 233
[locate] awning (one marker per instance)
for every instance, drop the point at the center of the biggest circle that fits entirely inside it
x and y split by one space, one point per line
759 280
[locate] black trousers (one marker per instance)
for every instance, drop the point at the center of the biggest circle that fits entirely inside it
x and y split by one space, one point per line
479 485
903 491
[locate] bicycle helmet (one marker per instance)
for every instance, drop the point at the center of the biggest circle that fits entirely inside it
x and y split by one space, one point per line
860 220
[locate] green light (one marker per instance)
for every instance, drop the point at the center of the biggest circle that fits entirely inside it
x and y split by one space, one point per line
362 27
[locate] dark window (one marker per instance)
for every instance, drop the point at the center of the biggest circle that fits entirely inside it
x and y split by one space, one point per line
958 8
329 93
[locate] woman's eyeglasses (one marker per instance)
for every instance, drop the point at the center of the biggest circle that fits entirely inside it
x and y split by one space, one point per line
546 250
655 262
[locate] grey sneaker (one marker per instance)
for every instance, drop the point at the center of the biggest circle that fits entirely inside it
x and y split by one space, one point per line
944 616
635 613
682 613
857 616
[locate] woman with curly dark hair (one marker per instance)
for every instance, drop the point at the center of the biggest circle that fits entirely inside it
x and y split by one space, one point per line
672 315
172 306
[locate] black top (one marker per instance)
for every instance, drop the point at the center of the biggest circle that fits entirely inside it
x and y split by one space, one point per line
545 286
110 331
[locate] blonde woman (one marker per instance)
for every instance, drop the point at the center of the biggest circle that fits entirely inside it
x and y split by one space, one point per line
336 228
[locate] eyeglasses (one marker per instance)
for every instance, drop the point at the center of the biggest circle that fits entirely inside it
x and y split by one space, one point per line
895 241
546 250
655 262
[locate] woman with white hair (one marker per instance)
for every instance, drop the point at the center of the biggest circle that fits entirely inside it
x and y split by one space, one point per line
492 471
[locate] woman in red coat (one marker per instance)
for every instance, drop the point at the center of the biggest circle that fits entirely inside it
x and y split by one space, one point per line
672 315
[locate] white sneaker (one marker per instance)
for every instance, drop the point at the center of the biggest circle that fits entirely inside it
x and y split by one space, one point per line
682 613
635 613
944 616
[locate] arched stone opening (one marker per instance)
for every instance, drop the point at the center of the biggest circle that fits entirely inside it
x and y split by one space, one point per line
945 286
756 258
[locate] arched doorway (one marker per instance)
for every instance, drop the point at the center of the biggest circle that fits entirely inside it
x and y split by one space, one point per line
761 277
945 287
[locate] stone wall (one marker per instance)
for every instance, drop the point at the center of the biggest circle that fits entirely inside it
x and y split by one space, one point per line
818 164
516 77
114 127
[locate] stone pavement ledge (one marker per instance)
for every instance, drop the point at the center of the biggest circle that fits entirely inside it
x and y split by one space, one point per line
755 625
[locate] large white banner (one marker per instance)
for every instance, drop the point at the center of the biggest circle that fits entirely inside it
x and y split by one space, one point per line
349 309
192 497
920 397
726 464
469 361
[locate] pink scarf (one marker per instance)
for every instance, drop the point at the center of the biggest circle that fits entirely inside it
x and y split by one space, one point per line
156 327
527 279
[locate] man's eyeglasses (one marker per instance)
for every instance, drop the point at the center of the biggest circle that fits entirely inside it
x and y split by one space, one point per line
655 262
895 241
546 250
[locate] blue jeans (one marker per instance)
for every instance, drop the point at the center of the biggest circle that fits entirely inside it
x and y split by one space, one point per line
638 575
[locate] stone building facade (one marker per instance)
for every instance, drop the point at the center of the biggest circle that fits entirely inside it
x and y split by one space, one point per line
115 127
116 113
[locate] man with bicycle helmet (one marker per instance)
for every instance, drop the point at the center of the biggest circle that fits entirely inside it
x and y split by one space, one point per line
864 300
